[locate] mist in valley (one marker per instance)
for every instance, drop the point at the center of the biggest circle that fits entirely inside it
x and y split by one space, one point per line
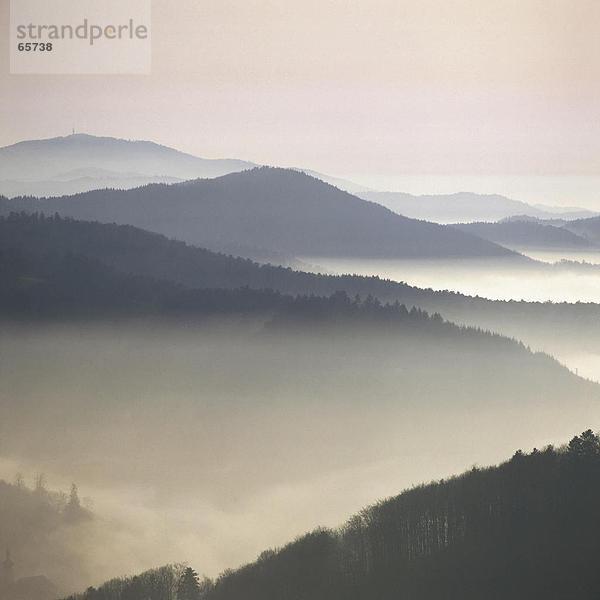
489 278
559 276
319 255
591 257
209 442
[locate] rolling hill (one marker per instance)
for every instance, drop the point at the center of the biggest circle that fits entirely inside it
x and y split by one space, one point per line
528 234
80 180
467 207
359 361
279 210
586 228
80 163
25 166
526 529
130 250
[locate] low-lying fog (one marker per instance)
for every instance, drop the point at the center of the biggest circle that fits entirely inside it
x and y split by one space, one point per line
494 280
208 445
491 279
553 256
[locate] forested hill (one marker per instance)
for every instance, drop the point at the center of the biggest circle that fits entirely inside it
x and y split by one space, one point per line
58 284
528 529
134 251
279 210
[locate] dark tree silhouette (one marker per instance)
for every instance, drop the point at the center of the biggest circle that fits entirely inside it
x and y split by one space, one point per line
136 252
189 585
528 529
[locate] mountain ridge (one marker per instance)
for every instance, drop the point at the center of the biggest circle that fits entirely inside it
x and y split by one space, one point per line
466 207
282 210
148 254
51 156
20 182
528 234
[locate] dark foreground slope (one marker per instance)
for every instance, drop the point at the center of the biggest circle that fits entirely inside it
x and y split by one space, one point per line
134 251
527 529
278 210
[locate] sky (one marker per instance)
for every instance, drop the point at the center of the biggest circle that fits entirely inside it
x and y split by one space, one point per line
384 88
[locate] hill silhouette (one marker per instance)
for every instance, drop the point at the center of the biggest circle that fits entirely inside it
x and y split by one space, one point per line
280 210
467 207
526 529
528 234
131 250
586 228
81 162
36 160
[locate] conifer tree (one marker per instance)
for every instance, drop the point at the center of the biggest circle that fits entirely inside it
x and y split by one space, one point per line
189 586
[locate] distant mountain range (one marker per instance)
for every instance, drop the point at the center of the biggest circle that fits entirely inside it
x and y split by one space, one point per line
586 228
467 207
280 210
530 234
80 162
78 184
39 160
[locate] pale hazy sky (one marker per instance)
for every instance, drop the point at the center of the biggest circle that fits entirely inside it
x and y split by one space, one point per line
447 87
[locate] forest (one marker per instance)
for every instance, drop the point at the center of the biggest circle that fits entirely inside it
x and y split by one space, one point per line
135 252
48 280
103 339
527 528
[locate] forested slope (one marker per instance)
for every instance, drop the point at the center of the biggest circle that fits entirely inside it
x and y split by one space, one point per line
526 529
134 251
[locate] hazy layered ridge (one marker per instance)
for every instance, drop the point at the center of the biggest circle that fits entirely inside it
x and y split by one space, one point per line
36 160
207 438
554 327
588 228
529 234
201 440
278 210
467 207
80 162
